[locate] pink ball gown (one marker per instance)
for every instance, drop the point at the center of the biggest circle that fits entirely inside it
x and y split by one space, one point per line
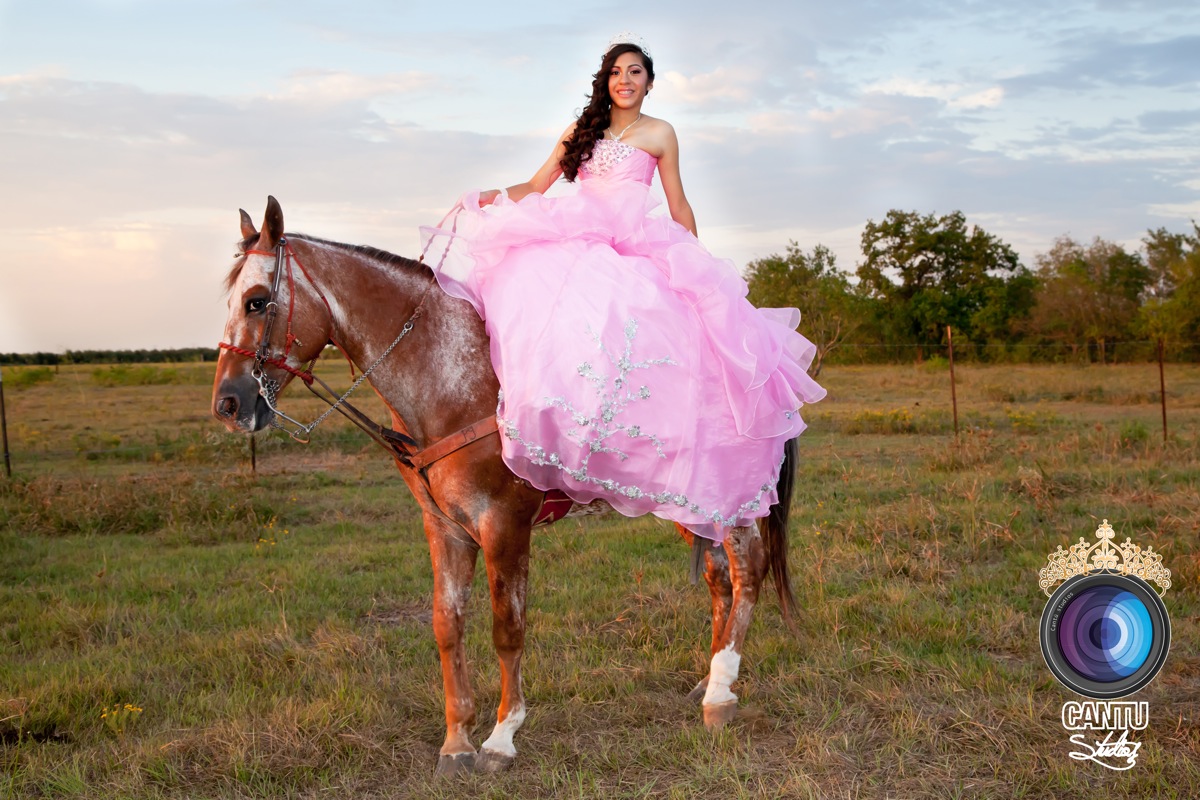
632 367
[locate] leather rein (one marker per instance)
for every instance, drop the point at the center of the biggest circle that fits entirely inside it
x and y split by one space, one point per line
399 445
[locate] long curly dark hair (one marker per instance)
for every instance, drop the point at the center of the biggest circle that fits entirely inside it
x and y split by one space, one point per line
597 116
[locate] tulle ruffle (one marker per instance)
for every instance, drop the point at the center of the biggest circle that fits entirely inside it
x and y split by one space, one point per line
632 367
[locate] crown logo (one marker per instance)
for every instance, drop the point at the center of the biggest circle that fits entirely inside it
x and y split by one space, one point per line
1102 556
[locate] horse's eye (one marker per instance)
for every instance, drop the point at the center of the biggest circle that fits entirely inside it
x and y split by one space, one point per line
255 305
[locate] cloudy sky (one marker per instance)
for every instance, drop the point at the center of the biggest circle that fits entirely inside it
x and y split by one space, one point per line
131 131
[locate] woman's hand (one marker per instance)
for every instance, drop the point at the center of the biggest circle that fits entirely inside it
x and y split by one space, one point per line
488 197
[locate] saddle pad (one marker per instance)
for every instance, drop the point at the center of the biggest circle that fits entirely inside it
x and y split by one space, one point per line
555 506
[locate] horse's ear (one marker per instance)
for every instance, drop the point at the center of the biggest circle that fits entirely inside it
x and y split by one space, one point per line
247 225
272 228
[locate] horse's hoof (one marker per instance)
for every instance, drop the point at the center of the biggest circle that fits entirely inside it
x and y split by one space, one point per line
457 764
491 762
697 694
718 715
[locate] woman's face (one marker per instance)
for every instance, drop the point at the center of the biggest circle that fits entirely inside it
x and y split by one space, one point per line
628 81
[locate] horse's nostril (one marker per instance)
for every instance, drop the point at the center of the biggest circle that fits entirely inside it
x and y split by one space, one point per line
227 406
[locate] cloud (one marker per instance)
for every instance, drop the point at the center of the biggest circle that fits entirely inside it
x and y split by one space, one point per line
330 86
984 98
1092 61
1169 121
954 95
736 86
128 199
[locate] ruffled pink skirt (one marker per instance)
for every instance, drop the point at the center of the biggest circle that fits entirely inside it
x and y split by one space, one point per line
632 367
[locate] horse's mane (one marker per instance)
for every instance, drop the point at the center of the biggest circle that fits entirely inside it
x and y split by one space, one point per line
373 253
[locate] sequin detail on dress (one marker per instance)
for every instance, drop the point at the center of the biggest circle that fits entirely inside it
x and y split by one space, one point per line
605 155
591 422
594 432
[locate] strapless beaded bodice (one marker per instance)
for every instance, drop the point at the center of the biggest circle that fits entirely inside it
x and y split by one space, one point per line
614 160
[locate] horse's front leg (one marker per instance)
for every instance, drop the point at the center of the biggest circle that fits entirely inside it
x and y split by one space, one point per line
506 555
453 554
747 569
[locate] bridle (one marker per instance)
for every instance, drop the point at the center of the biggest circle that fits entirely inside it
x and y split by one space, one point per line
401 446
283 255
268 388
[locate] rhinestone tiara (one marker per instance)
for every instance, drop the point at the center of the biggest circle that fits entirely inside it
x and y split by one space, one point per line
628 37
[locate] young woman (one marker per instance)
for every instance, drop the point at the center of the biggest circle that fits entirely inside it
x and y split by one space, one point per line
632 367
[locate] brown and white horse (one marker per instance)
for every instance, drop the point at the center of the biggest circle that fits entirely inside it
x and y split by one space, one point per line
428 359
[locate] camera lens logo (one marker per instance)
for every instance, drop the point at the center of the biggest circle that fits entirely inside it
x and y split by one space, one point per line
1105 636
1105 632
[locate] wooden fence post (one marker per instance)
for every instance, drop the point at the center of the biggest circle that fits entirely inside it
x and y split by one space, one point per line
4 427
953 391
253 456
1162 388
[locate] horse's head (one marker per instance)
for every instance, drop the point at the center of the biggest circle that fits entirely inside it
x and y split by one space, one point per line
277 322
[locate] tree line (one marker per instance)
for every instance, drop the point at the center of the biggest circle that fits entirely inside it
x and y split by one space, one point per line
921 274
176 356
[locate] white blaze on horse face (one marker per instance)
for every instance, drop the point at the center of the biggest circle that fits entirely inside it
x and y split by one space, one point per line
721 675
256 271
501 740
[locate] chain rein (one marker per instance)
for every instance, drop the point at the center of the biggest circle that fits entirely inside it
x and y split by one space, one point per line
269 390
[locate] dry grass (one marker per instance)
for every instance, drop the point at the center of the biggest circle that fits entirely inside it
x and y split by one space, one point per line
301 664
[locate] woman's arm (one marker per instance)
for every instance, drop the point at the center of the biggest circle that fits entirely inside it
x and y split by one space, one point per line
668 173
542 180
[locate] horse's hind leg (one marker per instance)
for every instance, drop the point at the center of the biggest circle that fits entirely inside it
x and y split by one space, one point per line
747 568
453 556
506 554
720 588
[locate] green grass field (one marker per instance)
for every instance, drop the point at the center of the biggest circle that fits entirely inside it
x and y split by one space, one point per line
174 627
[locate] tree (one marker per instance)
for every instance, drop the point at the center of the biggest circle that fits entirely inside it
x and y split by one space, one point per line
930 272
1171 299
1088 294
812 283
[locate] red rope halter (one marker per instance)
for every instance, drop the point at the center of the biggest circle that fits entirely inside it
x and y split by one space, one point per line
262 356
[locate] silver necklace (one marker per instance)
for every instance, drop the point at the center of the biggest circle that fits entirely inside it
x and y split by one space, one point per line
617 136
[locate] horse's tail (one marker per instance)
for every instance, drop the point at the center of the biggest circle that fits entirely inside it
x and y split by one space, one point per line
774 529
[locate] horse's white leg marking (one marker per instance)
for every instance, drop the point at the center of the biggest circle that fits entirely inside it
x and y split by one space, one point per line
747 565
501 740
721 674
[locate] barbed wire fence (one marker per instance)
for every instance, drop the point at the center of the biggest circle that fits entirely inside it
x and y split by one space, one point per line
1162 381
214 446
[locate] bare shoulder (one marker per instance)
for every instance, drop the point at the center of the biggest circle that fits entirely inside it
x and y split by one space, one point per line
656 137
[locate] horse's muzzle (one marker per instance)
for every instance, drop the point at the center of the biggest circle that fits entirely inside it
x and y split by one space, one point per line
239 405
